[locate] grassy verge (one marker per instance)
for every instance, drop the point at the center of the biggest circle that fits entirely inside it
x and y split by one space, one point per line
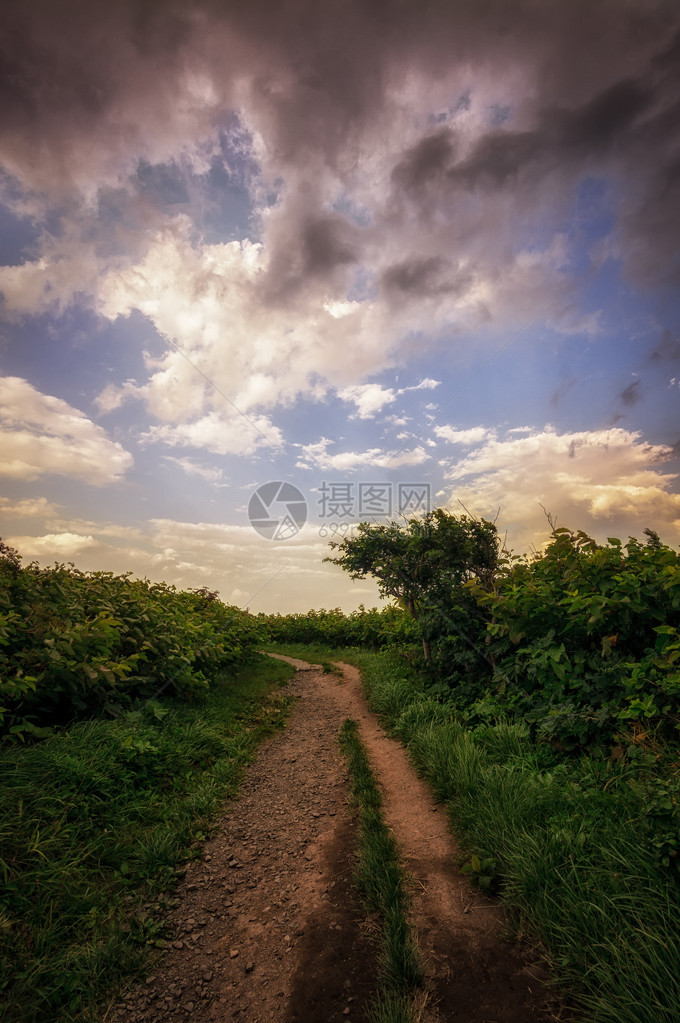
93 822
565 846
314 653
380 879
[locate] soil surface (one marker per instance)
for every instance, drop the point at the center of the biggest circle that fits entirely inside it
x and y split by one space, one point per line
268 925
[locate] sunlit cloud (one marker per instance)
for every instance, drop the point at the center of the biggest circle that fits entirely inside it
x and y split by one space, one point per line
467 437
606 482
261 230
28 507
42 434
53 545
317 455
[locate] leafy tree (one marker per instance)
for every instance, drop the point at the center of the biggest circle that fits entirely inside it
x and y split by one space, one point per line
422 563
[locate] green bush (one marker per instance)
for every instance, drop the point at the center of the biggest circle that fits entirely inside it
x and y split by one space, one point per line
585 641
73 643
374 628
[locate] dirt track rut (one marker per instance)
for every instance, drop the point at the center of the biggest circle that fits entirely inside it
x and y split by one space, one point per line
268 926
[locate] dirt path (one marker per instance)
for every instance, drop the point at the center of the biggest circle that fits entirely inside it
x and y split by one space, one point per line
268 926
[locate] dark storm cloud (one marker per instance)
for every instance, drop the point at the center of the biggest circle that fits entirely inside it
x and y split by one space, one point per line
428 276
325 246
335 57
427 160
308 249
89 89
591 128
414 275
629 130
563 136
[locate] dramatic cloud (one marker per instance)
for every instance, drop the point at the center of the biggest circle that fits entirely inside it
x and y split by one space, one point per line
41 434
231 351
263 221
606 482
383 156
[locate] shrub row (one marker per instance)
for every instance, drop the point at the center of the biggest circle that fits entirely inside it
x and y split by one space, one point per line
374 628
582 643
73 643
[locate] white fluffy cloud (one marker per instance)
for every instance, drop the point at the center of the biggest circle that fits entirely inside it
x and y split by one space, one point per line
368 398
473 435
231 350
42 434
53 546
28 507
606 482
318 456
221 434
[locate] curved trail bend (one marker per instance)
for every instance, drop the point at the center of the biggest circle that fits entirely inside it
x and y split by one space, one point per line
268 926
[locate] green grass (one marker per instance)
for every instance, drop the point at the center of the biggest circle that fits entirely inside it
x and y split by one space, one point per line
93 823
314 653
380 879
569 844
392 1007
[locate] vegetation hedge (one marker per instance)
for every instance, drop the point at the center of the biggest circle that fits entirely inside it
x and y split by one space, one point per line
74 644
374 628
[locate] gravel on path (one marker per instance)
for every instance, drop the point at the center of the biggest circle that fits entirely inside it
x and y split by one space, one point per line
268 925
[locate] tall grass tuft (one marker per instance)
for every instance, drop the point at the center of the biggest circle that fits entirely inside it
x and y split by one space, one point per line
569 842
380 879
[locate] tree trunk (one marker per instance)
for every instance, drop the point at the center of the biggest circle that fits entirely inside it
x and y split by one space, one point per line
411 608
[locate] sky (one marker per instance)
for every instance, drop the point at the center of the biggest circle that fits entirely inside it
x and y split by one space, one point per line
371 257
